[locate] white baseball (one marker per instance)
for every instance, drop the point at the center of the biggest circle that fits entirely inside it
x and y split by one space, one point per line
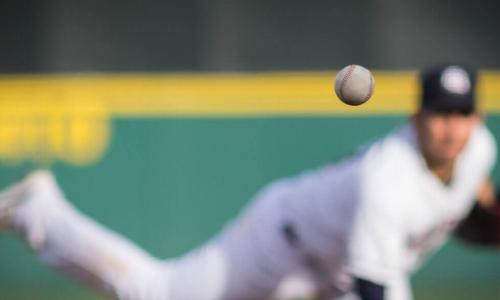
354 85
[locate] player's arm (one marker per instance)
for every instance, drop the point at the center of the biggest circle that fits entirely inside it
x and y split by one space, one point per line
482 225
486 197
375 250
377 242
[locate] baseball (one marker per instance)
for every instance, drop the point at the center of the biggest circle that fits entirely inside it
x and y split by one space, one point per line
354 85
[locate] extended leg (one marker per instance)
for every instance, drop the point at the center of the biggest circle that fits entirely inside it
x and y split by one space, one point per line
64 238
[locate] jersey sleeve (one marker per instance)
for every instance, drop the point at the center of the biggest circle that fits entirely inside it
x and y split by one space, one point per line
375 246
377 240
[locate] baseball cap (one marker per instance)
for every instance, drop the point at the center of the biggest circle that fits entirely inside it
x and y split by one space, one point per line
448 88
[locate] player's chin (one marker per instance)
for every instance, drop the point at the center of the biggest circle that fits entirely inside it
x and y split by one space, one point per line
450 155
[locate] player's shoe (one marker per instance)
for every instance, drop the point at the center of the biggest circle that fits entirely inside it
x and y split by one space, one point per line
13 196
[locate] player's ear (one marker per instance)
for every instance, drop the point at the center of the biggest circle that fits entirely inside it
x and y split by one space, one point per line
415 117
479 117
476 118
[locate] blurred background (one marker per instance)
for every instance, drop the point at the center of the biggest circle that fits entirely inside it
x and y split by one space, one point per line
161 119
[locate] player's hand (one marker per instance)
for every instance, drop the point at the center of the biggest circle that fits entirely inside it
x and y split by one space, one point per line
482 225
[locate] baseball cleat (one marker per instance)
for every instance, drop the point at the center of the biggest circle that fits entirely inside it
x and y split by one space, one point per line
13 196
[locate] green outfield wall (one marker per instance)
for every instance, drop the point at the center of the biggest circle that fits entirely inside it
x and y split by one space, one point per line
171 181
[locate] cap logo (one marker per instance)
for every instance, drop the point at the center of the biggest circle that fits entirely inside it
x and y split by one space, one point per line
455 80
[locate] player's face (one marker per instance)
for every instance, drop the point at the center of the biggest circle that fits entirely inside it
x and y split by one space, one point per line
443 136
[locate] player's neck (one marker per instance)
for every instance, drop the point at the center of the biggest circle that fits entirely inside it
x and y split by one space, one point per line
443 170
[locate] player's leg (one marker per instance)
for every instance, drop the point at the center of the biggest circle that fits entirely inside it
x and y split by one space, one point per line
261 258
248 260
64 238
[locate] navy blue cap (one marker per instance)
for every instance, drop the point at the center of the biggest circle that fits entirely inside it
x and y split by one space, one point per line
448 89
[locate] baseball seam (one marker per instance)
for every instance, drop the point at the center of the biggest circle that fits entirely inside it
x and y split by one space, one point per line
370 90
345 78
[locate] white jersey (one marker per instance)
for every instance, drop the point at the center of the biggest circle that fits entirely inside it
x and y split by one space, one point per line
378 214
375 215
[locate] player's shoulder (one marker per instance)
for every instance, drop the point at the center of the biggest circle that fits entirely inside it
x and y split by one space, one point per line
481 147
483 138
389 169
398 148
